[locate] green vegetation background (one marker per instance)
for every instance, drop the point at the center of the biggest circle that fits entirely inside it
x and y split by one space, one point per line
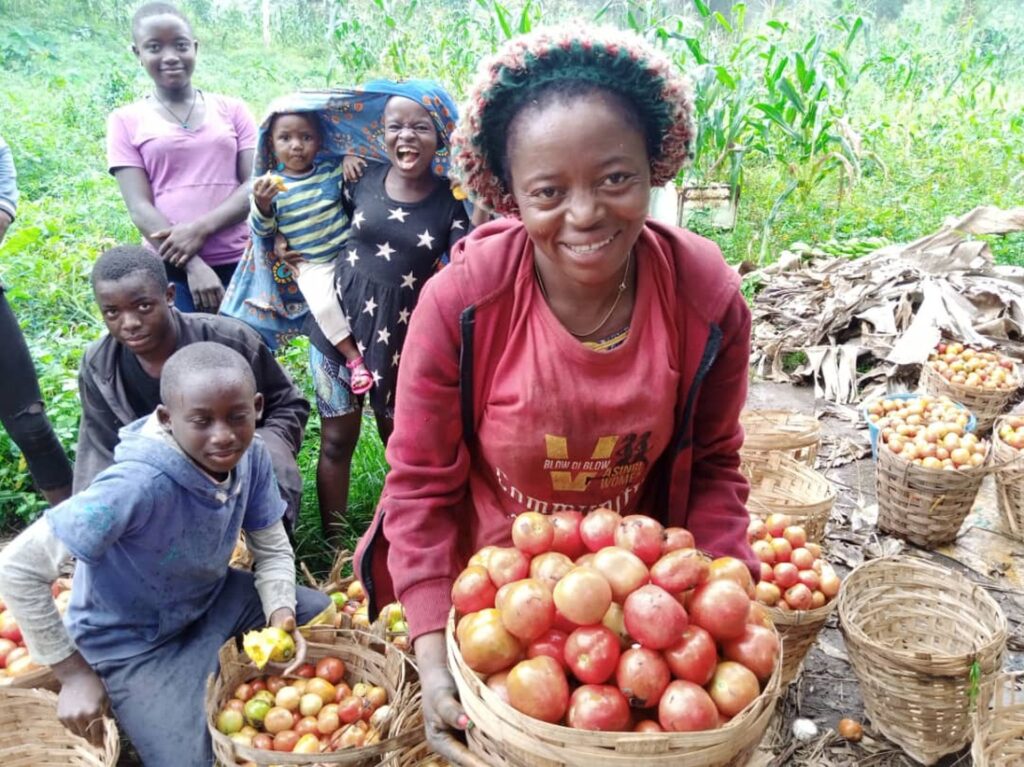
932 89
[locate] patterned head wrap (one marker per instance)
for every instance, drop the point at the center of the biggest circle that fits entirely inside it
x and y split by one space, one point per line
609 58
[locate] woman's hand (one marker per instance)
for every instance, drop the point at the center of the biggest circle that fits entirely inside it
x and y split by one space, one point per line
442 712
83 700
283 618
264 190
181 242
352 168
283 253
205 286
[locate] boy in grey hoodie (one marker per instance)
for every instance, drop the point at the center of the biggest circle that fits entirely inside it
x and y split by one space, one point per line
153 598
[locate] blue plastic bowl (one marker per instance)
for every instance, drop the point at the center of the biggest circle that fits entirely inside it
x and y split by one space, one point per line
873 430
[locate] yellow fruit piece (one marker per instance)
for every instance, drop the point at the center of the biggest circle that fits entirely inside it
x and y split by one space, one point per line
278 182
327 618
459 193
269 644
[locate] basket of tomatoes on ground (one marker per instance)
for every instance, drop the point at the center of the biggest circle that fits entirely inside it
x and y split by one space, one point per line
17 669
341 707
929 469
797 587
609 640
1008 459
781 485
984 381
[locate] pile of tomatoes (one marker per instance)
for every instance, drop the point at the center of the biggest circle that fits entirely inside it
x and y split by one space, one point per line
975 368
314 713
793 574
353 603
15 660
928 431
1011 431
613 623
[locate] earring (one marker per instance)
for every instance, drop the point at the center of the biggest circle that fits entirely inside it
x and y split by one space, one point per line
280 166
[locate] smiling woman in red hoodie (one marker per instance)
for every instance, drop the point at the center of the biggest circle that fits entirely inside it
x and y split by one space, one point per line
574 354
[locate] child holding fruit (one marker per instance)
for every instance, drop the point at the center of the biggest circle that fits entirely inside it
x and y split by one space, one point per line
573 355
153 598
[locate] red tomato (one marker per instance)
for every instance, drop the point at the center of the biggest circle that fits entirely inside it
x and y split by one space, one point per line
583 595
275 683
783 549
733 687
9 628
550 643
777 523
829 581
263 742
597 529
642 676
473 590
765 551
680 570
802 558
798 597
330 668
767 593
624 570
598 707
532 533
481 557
306 671
538 688
306 725
505 565
757 530
527 608
642 535
499 684
767 572
654 617
243 692
486 645
757 649
810 579
694 657
563 624
647 725
786 575
686 707
731 569
285 741
592 653
549 567
796 536
759 616
567 538
721 607
350 708
677 538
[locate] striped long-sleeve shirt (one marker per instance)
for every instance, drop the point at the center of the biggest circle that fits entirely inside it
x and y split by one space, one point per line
310 213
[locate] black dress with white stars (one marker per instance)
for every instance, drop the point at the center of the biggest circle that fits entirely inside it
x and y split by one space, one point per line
393 248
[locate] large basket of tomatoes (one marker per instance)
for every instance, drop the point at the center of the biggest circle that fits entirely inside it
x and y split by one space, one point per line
999 724
342 708
923 641
1008 460
33 735
17 668
984 381
797 435
607 640
926 482
781 485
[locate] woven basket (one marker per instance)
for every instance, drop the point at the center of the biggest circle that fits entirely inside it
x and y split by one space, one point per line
1009 471
924 506
507 738
999 726
798 630
794 434
418 755
367 659
40 679
913 632
779 484
985 404
34 737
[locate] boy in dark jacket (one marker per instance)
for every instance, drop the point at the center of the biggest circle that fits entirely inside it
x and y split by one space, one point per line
119 377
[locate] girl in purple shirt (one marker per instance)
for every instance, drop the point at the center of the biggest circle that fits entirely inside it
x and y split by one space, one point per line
182 159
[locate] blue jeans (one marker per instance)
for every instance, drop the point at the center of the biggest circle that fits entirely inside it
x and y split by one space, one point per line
158 697
182 295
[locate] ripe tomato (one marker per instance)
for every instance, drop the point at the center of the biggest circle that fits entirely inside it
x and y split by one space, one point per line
798 597
777 524
583 595
285 741
537 687
330 668
767 593
796 536
549 567
624 570
733 687
647 725
757 649
532 533
686 707
642 675
498 683
765 551
829 581
783 549
694 657
642 535
654 617
731 569
721 607
677 538
592 653
680 570
615 621
786 575
567 538
473 590
598 708
810 579
486 645
505 565
802 558
527 608
550 643
597 529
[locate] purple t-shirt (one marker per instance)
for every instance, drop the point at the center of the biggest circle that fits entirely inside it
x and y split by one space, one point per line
190 171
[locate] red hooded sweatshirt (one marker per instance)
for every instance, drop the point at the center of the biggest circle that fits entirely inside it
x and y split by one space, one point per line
499 410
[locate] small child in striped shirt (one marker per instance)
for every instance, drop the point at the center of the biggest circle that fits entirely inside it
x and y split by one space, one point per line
304 204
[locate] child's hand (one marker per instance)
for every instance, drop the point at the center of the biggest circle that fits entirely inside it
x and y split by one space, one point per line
180 242
83 700
283 618
264 190
352 167
290 257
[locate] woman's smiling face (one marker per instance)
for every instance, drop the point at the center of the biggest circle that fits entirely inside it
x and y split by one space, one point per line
580 173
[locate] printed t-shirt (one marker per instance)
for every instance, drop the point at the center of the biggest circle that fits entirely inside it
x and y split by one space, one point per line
191 172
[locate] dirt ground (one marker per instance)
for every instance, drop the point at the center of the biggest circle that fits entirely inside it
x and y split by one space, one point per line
827 690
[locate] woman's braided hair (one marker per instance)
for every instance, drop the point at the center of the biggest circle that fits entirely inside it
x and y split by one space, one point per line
586 58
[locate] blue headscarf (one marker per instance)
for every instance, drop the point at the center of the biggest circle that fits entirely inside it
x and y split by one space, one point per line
263 292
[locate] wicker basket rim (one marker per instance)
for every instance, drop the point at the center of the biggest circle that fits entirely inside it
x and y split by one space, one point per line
800 617
32 700
975 390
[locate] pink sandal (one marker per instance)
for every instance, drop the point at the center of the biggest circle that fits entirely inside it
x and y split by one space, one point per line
361 380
